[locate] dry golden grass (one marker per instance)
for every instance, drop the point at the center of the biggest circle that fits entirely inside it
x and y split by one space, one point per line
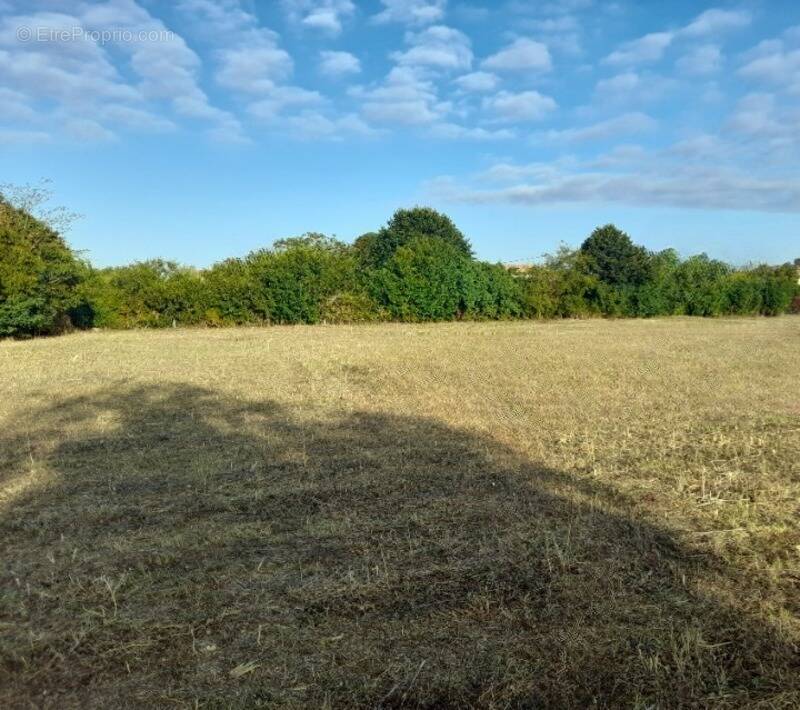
578 514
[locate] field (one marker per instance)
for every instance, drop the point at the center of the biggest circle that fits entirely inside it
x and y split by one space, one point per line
582 513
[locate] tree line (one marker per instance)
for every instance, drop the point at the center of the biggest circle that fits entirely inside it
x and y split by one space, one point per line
418 267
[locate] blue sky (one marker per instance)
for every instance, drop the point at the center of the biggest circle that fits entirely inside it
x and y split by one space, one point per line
200 129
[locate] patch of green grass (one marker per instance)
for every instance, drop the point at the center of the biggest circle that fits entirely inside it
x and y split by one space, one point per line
488 515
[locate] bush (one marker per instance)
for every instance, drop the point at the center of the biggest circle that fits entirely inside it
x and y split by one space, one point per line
422 281
231 296
39 275
351 307
293 280
489 291
700 284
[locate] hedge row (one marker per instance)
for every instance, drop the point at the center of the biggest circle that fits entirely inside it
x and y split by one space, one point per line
419 267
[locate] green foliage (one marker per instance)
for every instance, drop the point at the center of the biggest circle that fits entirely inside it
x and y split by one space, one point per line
231 295
418 267
406 225
351 307
422 281
700 285
489 291
39 275
294 279
613 258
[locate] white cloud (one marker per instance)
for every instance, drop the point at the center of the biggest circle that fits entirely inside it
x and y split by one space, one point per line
649 48
619 84
315 125
439 46
521 54
701 61
717 20
404 97
12 136
253 70
478 82
603 130
282 98
523 106
123 116
16 108
455 131
325 15
339 63
632 87
723 188
775 62
769 127
413 12
85 129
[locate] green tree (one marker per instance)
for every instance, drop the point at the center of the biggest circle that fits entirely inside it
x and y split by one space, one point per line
39 273
406 225
615 259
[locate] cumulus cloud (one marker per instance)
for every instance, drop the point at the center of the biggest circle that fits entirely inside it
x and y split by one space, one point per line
80 77
717 20
478 82
439 47
404 97
632 87
282 98
325 15
700 61
625 124
316 125
253 70
455 131
338 63
516 107
413 12
776 62
649 48
522 54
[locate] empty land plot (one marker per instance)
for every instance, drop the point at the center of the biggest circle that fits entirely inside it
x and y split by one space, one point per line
467 514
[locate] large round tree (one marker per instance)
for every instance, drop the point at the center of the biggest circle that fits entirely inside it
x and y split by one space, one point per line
404 226
615 259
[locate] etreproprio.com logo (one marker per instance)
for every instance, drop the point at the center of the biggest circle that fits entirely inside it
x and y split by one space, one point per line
26 34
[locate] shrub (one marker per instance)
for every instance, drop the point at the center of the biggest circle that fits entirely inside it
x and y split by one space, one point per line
293 280
700 284
539 292
422 281
488 291
38 275
231 296
351 307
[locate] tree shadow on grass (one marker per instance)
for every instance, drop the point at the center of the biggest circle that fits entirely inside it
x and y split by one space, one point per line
188 548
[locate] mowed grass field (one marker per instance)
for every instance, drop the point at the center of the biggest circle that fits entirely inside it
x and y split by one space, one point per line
571 514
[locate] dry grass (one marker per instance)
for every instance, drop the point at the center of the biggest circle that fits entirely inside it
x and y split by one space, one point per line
491 515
